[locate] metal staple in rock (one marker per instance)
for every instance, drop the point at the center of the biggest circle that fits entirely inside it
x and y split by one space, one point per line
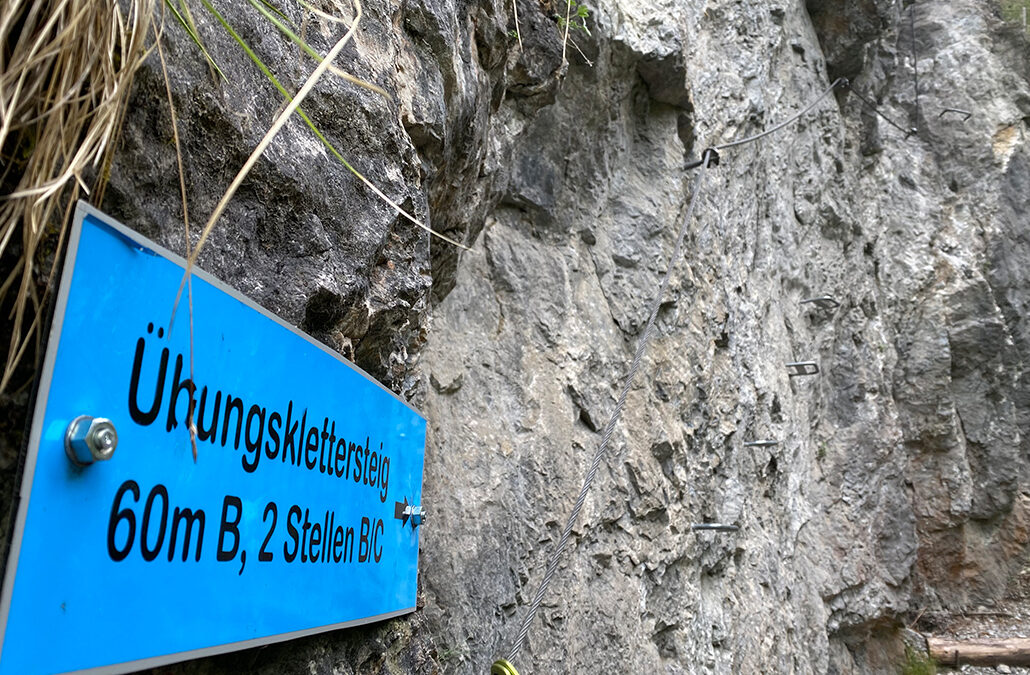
709 157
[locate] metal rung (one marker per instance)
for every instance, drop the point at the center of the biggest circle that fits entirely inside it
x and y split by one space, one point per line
802 368
761 444
715 527
965 113
822 302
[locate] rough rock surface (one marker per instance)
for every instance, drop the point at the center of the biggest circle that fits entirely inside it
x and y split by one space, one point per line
901 481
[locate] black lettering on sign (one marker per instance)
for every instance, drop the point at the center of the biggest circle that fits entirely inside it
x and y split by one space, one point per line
348 546
189 517
274 421
253 446
294 512
177 386
363 544
150 553
258 428
154 525
126 514
263 555
232 528
304 537
377 548
138 416
212 431
232 403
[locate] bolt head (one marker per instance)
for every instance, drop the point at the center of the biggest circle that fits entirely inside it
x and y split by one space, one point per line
102 438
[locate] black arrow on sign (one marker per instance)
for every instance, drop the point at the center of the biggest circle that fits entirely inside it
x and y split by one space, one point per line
401 512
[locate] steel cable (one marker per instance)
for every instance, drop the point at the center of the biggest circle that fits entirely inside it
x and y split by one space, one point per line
552 563
872 106
710 157
915 63
839 81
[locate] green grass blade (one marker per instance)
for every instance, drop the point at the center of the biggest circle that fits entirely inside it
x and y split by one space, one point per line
259 5
278 11
299 41
188 26
318 134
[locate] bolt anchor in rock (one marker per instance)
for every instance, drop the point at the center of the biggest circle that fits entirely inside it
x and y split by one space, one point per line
714 527
90 439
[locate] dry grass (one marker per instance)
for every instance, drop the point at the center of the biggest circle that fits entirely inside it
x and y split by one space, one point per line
262 145
293 106
66 69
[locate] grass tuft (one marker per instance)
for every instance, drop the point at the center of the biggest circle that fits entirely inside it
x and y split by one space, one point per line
918 663
66 71
260 6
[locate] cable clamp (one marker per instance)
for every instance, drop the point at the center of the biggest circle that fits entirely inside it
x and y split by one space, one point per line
797 368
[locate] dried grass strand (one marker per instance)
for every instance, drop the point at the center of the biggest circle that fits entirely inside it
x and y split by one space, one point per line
63 90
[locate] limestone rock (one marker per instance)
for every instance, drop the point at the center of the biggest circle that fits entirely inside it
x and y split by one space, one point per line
901 477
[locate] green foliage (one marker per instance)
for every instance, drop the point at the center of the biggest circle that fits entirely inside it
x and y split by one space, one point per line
821 452
917 663
1012 10
578 15
276 17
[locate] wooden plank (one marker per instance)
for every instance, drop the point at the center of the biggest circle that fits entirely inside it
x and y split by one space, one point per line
981 652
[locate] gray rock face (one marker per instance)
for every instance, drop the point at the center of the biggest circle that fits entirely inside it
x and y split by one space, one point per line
894 485
900 480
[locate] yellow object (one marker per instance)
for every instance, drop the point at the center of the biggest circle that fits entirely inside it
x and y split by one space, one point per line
502 667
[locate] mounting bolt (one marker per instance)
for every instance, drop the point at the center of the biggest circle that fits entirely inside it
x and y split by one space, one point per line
418 516
90 439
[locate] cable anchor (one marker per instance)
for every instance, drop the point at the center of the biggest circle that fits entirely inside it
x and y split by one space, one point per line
710 154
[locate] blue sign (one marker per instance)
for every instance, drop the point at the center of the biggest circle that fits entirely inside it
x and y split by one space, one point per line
295 516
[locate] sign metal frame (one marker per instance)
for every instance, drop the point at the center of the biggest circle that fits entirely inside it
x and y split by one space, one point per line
82 211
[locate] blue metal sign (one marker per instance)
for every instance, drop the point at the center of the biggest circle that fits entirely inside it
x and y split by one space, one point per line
295 517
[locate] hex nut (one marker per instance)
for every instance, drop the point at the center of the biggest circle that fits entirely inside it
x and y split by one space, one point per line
90 439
